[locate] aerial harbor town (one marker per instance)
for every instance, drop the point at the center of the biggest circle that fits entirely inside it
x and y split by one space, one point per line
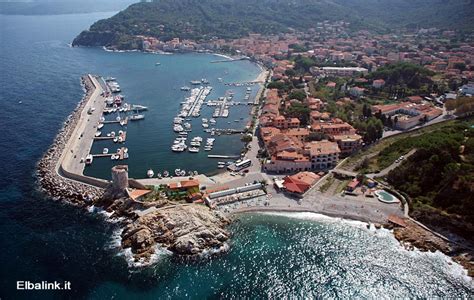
327 128
237 149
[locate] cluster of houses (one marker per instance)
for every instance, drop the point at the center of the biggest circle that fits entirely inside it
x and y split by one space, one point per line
289 145
410 113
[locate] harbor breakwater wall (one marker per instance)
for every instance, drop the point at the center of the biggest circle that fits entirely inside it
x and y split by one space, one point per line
53 179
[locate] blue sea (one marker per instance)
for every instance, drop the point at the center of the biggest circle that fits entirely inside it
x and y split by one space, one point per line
271 256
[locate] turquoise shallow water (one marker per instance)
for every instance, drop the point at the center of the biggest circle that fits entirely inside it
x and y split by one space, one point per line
270 256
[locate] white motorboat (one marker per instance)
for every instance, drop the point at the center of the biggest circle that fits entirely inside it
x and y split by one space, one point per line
193 149
166 173
105 151
150 173
178 147
137 107
100 126
137 117
98 133
89 159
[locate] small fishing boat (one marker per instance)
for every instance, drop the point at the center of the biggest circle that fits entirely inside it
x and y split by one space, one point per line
150 173
137 117
193 149
89 159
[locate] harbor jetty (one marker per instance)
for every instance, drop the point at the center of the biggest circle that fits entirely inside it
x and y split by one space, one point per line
55 175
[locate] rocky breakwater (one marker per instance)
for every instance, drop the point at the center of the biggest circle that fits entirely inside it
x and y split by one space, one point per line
189 231
49 180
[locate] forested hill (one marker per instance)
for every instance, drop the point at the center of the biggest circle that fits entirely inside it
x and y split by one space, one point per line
200 19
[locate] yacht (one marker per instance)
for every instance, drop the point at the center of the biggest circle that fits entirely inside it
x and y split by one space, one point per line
138 107
179 172
89 159
178 147
137 117
150 173
194 149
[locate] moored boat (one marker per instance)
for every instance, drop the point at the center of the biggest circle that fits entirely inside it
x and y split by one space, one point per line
150 173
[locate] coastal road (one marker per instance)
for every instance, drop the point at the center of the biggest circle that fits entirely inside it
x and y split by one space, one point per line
393 166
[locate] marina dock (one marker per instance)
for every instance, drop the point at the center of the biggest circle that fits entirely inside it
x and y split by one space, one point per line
224 156
124 122
120 153
101 138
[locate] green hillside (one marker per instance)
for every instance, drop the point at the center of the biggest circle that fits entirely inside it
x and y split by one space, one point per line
203 19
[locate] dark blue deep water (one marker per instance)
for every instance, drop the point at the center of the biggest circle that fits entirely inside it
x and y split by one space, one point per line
271 256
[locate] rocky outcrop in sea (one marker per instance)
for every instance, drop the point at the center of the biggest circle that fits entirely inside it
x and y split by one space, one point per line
186 230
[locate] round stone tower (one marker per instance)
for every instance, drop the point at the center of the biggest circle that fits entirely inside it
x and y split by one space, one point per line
120 177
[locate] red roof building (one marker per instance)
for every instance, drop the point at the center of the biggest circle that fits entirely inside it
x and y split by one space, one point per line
300 182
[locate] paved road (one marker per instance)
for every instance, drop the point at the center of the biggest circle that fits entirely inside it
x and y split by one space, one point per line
81 140
393 166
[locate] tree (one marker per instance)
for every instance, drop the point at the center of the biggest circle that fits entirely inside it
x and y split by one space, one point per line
300 111
297 94
316 136
460 66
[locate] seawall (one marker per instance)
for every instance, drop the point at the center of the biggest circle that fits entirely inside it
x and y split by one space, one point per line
53 178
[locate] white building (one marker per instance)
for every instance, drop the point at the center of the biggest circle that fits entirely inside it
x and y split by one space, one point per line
467 89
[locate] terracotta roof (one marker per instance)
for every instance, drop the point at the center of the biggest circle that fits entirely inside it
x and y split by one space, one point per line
300 182
322 148
134 194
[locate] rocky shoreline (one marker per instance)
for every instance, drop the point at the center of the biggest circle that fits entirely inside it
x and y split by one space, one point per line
49 181
415 236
